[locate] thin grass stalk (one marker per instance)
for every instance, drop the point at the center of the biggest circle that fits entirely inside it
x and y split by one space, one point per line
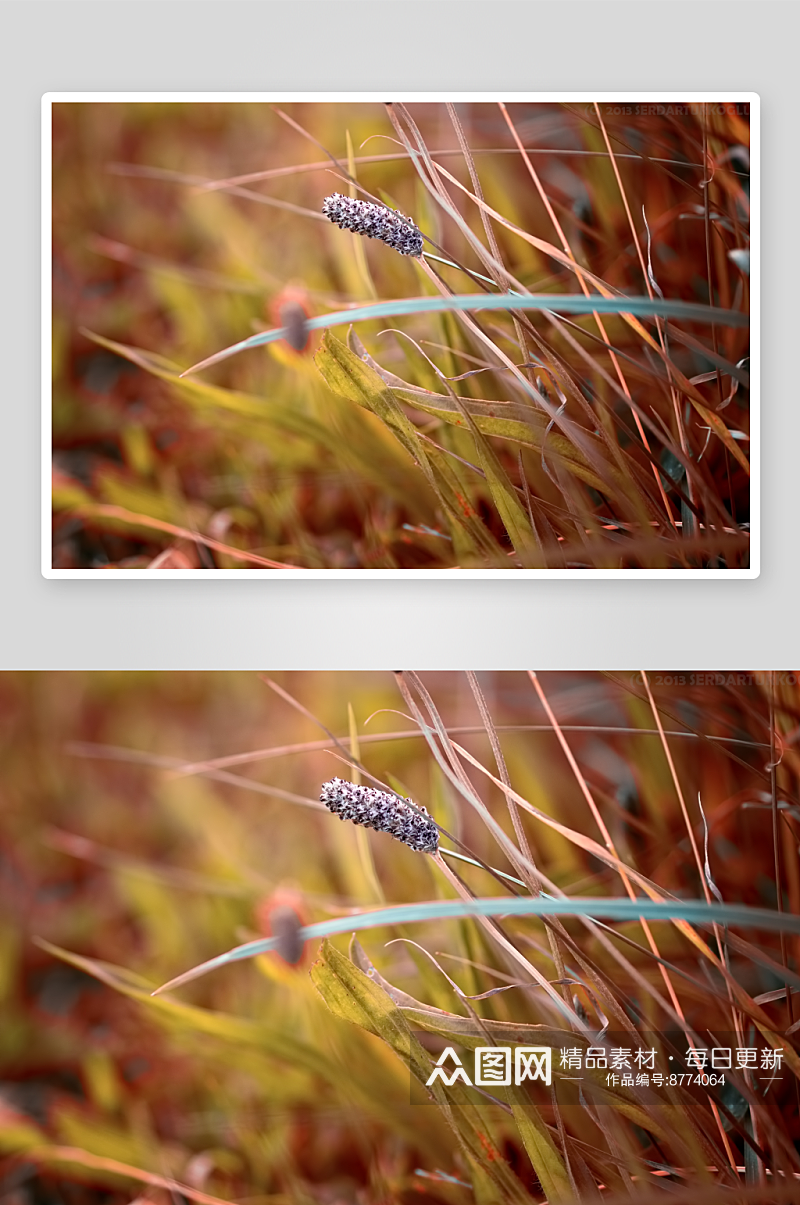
532 882
661 330
606 837
685 814
762 1022
467 789
491 238
584 288
563 1010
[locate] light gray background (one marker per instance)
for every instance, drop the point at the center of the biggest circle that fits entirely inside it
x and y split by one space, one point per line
443 46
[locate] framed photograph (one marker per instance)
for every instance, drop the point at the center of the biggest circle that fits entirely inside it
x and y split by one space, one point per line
330 335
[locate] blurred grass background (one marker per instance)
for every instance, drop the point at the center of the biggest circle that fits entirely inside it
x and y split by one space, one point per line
260 458
137 833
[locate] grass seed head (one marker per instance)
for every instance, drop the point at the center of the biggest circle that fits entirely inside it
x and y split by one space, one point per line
374 221
384 812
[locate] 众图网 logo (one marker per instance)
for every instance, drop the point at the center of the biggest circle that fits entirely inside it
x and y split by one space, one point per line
493 1066
621 1066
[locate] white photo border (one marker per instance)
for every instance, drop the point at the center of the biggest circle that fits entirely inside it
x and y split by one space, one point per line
750 98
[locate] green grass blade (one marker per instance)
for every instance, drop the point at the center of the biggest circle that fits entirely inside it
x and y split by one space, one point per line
349 377
696 912
547 1162
352 996
560 303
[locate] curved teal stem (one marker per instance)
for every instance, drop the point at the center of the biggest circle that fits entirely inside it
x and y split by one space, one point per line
696 912
556 303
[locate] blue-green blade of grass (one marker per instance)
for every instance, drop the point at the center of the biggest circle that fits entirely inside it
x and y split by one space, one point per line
566 303
696 912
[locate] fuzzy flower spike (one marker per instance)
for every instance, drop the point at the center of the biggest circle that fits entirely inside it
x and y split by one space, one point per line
374 221
384 812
